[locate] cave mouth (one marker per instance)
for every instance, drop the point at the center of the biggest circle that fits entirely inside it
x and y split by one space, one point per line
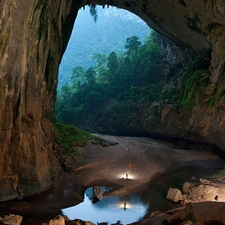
104 61
29 67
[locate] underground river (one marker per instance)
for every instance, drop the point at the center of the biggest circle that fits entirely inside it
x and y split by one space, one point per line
153 167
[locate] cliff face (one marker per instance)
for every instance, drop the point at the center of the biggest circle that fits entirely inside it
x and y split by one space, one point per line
33 37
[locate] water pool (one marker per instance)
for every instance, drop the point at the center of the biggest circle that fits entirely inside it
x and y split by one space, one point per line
138 205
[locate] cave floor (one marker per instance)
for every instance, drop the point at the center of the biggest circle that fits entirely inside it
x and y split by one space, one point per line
127 167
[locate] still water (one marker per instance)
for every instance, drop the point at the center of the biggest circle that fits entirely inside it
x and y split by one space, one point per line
138 205
109 209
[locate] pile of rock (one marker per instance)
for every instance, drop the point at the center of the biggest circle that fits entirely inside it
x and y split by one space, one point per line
11 219
198 191
63 220
203 213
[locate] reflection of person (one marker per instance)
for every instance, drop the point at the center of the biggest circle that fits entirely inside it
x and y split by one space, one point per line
216 198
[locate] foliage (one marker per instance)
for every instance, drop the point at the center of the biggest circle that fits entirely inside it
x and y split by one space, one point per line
93 12
219 173
69 137
218 94
114 88
192 87
107 34
193 81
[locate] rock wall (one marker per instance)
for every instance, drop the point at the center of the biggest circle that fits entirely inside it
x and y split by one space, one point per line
33 37
204 121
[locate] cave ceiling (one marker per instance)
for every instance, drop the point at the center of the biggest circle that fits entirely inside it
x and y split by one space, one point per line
186 23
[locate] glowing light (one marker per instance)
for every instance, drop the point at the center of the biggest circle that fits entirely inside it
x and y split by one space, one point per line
131 176
123 205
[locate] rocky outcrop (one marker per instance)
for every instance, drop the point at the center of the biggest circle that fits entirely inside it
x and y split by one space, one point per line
207 213
174 195
199 191
11 219
33 37
62 220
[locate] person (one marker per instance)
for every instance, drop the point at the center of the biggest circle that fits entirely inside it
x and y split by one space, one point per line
216 198
125 205
128 151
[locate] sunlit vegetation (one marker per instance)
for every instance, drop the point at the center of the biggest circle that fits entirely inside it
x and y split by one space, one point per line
219 173
107 34
115 88
70 137
187 87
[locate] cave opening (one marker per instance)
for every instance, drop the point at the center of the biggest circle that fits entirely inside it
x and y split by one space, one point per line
105 72
33 37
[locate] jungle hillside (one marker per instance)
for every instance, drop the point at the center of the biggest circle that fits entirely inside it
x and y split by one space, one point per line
115 93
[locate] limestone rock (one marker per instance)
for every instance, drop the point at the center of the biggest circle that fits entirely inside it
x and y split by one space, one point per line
98 192
156 213
174 195
11 219
64 220
207 213
57 221
186 187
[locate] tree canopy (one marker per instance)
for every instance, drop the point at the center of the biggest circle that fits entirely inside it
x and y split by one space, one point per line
109 95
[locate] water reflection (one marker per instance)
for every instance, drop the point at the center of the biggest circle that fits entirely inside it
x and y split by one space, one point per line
43 207
136 206
127 209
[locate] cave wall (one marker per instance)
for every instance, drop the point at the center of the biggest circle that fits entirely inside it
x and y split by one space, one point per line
33 37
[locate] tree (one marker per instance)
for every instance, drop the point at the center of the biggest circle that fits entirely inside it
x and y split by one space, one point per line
100 58
116 88
90 76
112 65
78 78
132 45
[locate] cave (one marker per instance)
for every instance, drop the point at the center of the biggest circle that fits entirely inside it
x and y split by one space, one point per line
33 38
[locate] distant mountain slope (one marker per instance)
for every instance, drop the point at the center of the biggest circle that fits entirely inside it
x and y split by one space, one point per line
108 34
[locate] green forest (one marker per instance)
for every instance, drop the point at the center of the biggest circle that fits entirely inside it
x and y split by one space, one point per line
107 34
112 94
115 95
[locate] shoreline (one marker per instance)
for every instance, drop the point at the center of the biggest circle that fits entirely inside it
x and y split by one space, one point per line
105 166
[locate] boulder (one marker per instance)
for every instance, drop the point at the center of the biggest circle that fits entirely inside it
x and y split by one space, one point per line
98 192
59 220
156 213
11 219
174 195
187 222
206 211
186 187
